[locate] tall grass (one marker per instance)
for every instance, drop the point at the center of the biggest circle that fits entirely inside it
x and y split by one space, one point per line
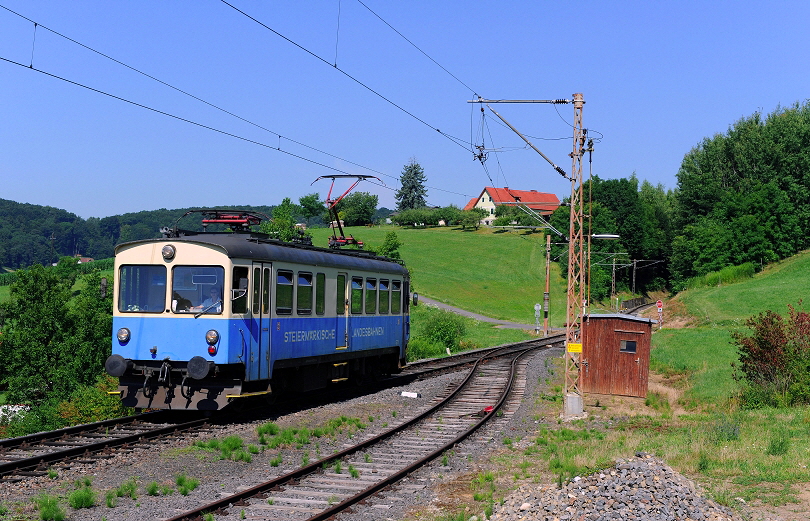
727 275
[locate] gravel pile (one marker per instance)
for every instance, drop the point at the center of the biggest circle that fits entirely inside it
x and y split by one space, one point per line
643 488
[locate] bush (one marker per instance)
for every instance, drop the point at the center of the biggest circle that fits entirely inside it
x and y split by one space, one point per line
421 348
91 404
774 360
444 328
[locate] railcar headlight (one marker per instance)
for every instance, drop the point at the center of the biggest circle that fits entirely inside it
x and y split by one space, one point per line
123 335
212 337
168 252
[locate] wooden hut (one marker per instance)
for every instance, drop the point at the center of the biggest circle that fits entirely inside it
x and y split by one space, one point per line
615 354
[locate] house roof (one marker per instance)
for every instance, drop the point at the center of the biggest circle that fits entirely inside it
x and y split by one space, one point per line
540 201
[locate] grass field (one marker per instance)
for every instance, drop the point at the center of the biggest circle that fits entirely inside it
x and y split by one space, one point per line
497 274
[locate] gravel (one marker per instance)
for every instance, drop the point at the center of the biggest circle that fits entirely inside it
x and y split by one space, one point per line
165 460
641 488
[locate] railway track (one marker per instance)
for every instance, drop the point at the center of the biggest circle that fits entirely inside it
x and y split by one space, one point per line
33 455
331 485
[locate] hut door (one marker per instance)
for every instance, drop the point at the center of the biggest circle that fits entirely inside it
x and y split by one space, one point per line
630 378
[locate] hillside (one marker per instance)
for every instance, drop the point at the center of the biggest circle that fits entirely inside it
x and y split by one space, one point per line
497 274
26 231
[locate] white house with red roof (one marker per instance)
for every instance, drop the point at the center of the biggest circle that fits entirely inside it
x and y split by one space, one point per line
490 198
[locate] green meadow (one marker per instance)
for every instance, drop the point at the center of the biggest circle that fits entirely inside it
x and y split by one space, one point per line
497 274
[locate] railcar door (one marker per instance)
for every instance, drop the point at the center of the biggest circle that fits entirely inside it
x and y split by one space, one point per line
258 361
342 311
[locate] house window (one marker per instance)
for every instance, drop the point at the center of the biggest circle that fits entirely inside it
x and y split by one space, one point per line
491 211
628 346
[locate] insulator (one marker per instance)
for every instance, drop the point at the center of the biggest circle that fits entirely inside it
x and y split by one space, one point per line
561 101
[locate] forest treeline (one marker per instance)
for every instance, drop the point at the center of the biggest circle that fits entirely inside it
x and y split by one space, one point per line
26 231
742 198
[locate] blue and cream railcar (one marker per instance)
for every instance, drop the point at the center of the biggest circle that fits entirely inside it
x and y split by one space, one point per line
289 318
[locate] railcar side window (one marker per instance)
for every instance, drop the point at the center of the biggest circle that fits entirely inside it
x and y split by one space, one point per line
383 297
198 288
304 295
142 289
396 296
266 291
340 301
239 296
284 292
320 293
257 288
371 296
357 294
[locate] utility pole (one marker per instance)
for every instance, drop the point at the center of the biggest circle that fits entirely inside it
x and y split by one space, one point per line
576 294
577 268
546 293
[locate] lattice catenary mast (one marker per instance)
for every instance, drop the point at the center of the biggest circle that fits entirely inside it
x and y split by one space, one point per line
577 250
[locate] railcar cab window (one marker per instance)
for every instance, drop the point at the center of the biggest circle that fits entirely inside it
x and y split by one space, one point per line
197 289
371 296
239 286
357 295
284 292
303 304
142 289
383 297
396 296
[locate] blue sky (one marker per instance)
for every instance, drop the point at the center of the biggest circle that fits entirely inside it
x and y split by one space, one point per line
657 78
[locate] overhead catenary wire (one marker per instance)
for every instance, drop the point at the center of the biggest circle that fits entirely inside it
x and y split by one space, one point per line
201 100
418 48
458 141
164 113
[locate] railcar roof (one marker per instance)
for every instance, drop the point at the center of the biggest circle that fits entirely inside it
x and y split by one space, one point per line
253 246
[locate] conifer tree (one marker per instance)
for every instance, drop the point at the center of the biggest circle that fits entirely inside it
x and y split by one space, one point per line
413 191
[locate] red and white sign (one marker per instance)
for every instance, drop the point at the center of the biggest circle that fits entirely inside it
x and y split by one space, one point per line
660 304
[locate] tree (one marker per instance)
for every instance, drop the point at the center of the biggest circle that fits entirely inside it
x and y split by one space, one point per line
311 206
472 218
412 193
357 209
390 246
282 224
750 185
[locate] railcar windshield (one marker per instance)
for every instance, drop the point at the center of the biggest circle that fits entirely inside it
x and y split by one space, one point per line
197 289
142 289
